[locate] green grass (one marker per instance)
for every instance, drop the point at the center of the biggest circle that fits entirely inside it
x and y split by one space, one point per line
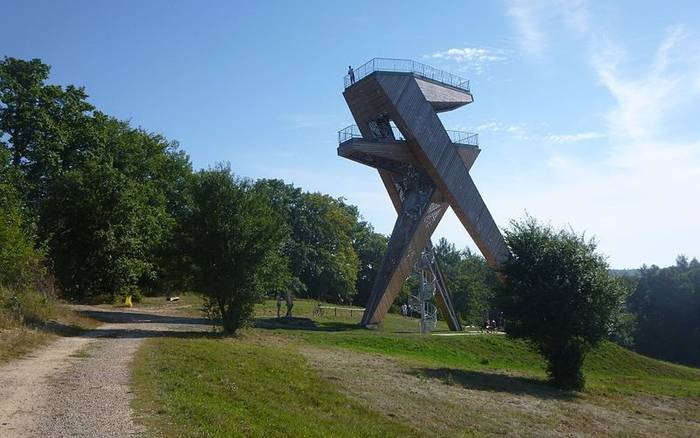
291 379
608 369
189 304
304 308
229 387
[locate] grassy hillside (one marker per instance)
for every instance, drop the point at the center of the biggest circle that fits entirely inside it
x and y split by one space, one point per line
32 324
325 376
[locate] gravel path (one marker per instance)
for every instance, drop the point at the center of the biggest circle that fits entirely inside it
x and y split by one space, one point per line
79 386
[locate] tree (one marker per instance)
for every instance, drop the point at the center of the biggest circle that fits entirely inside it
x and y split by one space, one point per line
666 304
41 122
107 197
234 236
106 216
470 280
320 240
370 247
20 260
558 294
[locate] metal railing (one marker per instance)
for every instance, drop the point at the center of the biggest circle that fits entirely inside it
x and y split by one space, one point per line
457 137
348 133
353 131
464 138
407 66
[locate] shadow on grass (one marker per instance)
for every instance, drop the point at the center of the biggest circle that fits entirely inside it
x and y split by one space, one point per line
131 317
177 326
304 324
483 381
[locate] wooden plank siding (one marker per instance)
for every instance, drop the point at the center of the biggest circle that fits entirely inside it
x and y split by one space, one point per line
399 97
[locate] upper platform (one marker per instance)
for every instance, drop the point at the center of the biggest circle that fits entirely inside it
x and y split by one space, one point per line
445 91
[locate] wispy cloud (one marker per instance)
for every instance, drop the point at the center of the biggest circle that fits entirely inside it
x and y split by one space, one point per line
528 24
471 54
636 196
305 120
474 56
574 138
532 19
643 101
517 128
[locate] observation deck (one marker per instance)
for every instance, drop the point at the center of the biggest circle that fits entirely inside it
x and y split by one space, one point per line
445 91
459 138
388 150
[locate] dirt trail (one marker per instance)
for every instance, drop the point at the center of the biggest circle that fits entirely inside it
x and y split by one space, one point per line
79 386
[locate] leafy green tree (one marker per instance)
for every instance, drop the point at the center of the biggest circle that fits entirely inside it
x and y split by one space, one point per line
370 247
319 245
108 197
666 304
470 280
42 122
235 237
106 218
20 261
558 294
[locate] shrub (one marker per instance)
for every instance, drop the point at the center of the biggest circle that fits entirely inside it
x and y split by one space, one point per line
558 294
25 306
233 234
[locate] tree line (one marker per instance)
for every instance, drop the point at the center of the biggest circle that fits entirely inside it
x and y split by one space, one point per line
111 210
665 310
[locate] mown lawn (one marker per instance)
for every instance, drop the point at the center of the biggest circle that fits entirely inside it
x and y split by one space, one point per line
229 387
325 376
608 369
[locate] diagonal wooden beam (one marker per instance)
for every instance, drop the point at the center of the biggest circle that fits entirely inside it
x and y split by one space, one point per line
421 211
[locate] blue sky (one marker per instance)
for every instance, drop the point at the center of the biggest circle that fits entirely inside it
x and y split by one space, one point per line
587 111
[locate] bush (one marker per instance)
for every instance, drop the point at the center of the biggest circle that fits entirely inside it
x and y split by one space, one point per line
558 294
233 235
26 306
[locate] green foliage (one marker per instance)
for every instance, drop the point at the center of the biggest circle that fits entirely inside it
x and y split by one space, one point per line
41 122
20 261
470 280
24 306
370 247
666 303
106 195
234 237
319 244
107 215
558 294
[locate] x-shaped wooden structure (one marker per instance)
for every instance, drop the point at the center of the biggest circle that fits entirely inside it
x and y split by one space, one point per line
423 168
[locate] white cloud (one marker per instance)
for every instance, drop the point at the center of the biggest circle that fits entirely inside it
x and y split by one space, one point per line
471 54
474 58
532 17
573 138
527 22
518 128
639 198
645 100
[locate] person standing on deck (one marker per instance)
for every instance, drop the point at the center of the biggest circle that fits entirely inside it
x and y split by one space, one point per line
351 73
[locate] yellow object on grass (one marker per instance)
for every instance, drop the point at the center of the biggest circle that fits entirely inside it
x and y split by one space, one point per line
127 301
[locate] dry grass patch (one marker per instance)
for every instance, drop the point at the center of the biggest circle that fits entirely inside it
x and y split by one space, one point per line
453 402
20 340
